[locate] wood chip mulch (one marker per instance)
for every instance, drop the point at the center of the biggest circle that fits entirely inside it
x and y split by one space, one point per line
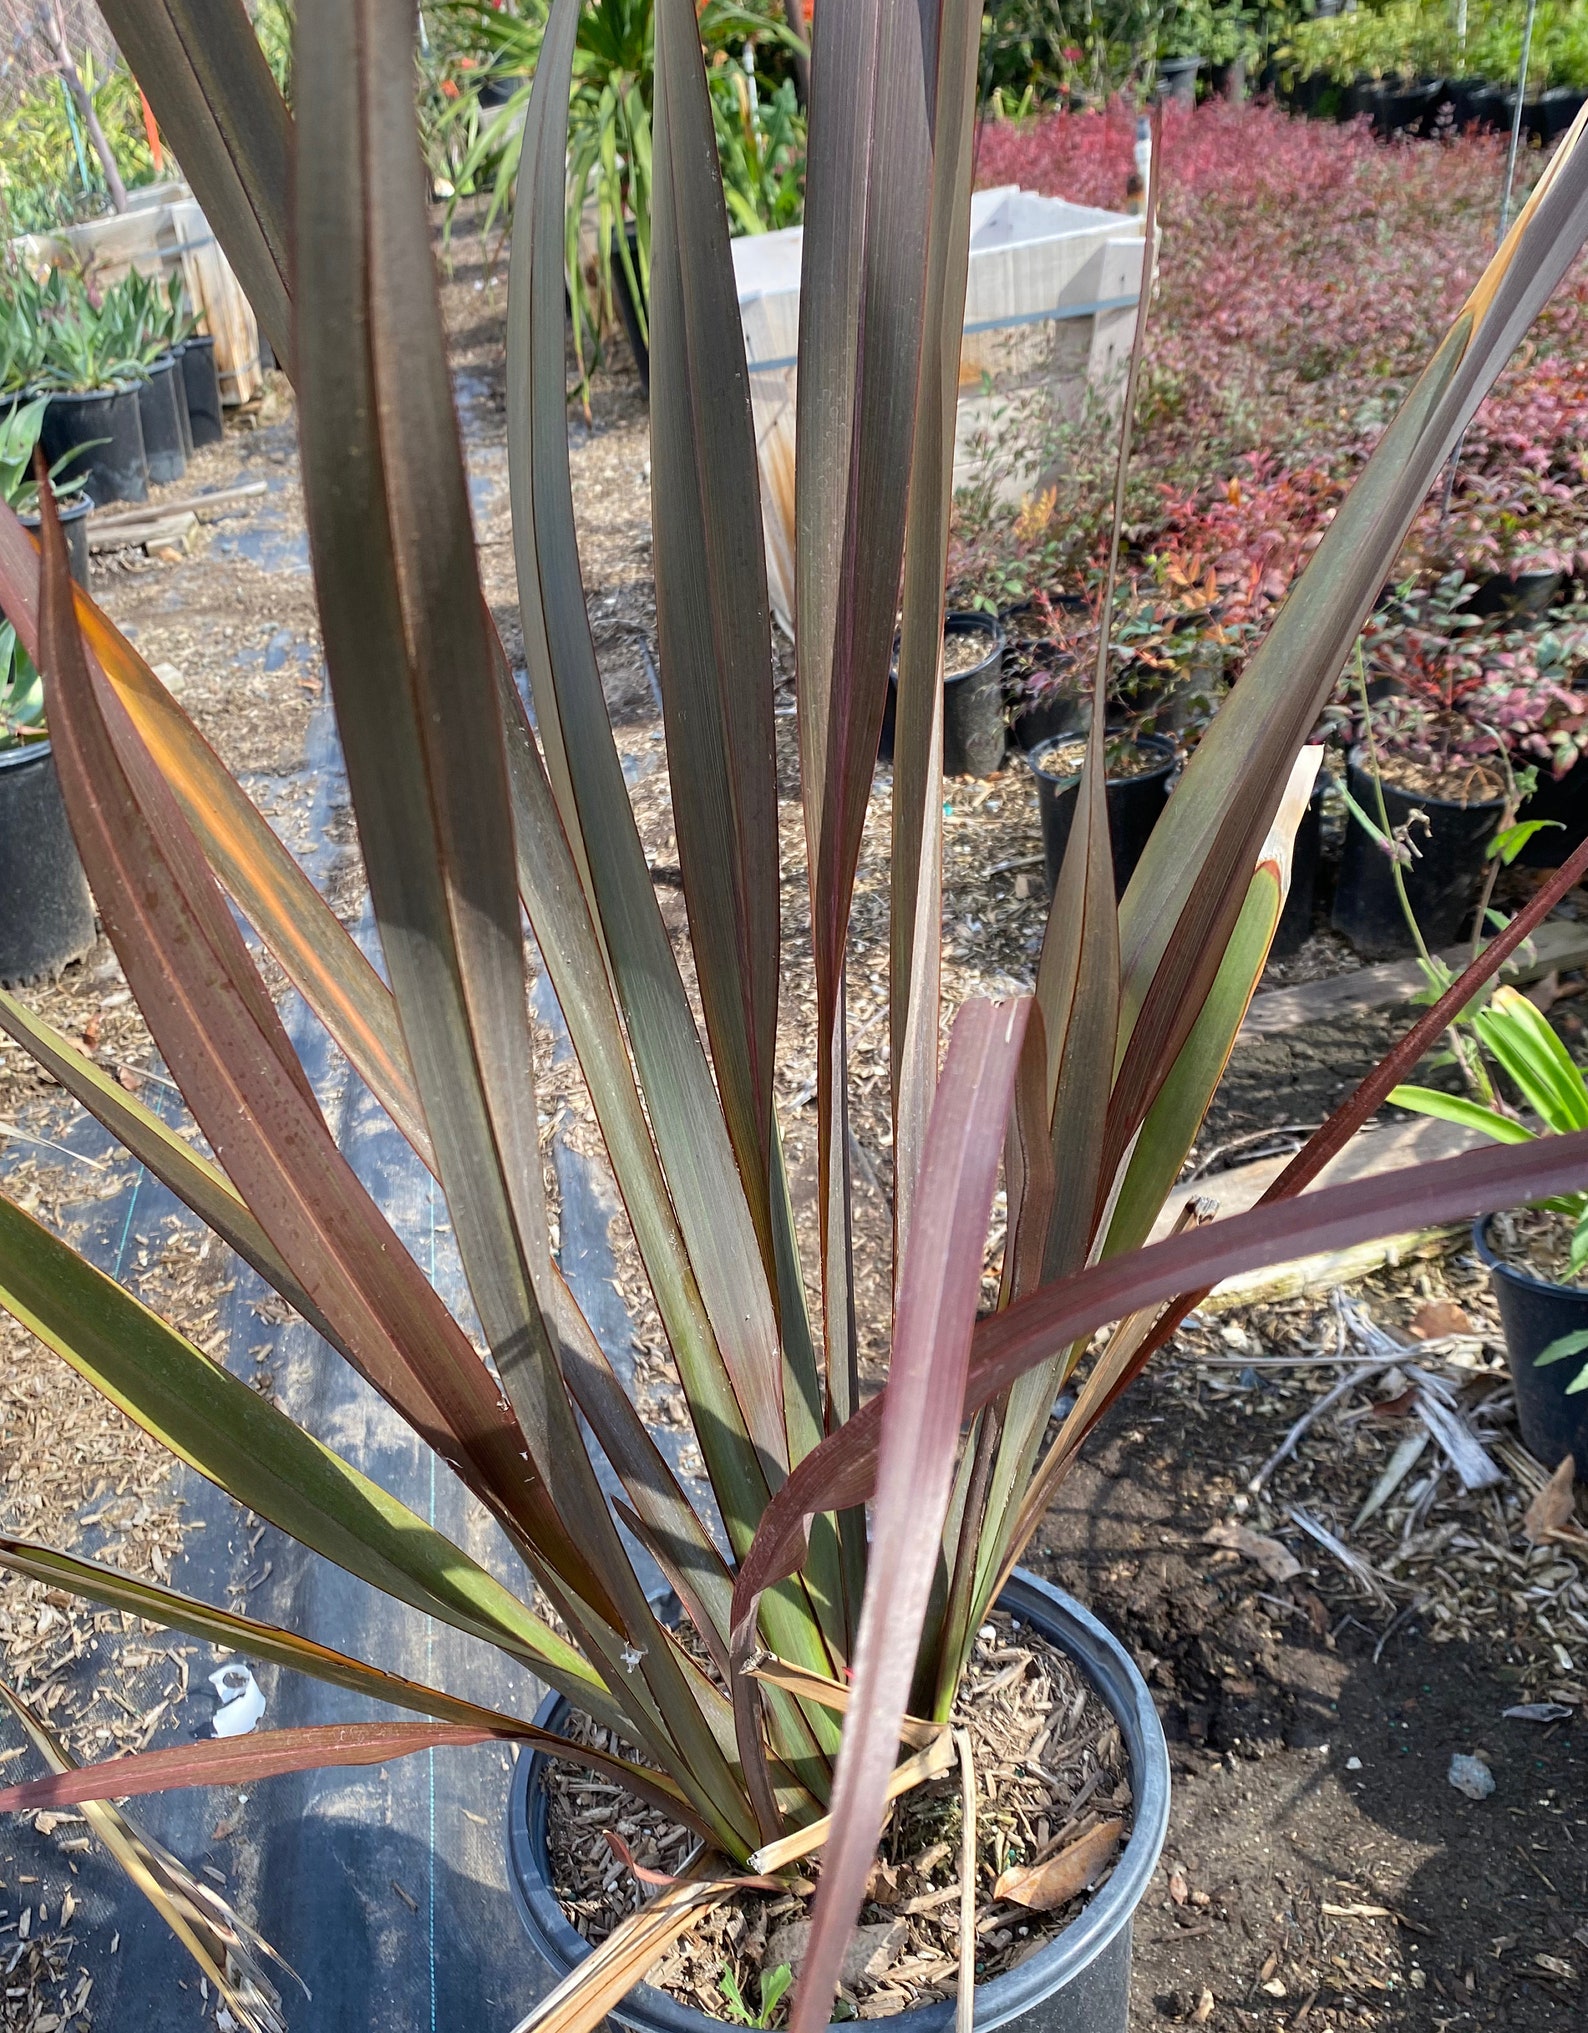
1051 1783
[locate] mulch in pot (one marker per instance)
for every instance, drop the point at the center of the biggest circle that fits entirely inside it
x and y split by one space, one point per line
1052 1772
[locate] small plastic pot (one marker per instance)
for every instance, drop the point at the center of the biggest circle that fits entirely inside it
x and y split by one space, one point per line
1177 80
201 384
1135 805
1056 713
1459 97
46 912
1521 595
163 416
1295 920
1557 109
1079 1982
74 514
1564 800
105 429
1534 1312
1442 884
974 733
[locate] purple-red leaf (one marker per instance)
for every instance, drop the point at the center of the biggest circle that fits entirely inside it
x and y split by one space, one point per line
939 1289
843 1470
239 1761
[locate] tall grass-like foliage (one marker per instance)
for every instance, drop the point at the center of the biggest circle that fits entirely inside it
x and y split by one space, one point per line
1088 1092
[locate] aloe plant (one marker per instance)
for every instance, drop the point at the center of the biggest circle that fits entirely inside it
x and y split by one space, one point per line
81 348
1089 1092
143 318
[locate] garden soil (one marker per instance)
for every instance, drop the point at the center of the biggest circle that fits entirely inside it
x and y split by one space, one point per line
1321 1871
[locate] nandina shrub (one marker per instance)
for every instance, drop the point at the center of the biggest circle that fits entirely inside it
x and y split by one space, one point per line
1305 268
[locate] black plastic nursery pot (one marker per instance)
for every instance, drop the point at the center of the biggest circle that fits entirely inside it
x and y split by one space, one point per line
164 443
105 429
1135 804
1442 883
201 384
1079 1982
1521 596
1557 109
46 912
73 514
1047 718
974 732
1534 1312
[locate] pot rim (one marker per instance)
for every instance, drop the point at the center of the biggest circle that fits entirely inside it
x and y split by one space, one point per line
1426 797
1112 1674
17 755
962 621
70 510
1154 741
1494 1263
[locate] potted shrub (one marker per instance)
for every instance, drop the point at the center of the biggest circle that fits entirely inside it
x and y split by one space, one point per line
818 1669
974 729
1426 782
1041 685
1537 1257
95 419
1139 767
140 323
46 913
1533 698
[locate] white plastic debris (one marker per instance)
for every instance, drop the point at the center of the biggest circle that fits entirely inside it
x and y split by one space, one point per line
242 1703
1471 1776
1539 1711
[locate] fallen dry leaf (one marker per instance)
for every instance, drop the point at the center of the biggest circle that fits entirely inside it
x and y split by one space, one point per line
1554 1505
1276 1561
1179 1890
1436 1318
1044 1887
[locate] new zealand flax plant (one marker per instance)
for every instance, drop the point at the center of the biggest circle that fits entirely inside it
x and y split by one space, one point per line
820 1637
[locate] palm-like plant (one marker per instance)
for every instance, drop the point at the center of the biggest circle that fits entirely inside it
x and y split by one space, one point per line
1092 1089
609 129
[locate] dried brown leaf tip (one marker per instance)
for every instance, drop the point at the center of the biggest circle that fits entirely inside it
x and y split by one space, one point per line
1555 1506
1061 1878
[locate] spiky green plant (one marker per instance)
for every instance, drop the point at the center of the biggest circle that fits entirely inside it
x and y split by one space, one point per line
1091 1090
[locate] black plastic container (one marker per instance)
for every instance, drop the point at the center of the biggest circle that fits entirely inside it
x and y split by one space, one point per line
1442 883
46 912
1401 108
1301 899
1079 1982
1564 800
1177 80
1057 712
162 412
201 383
1459 102
1557 109
974 731
74 514
1534 1312
1522 596
105 429
1135 805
